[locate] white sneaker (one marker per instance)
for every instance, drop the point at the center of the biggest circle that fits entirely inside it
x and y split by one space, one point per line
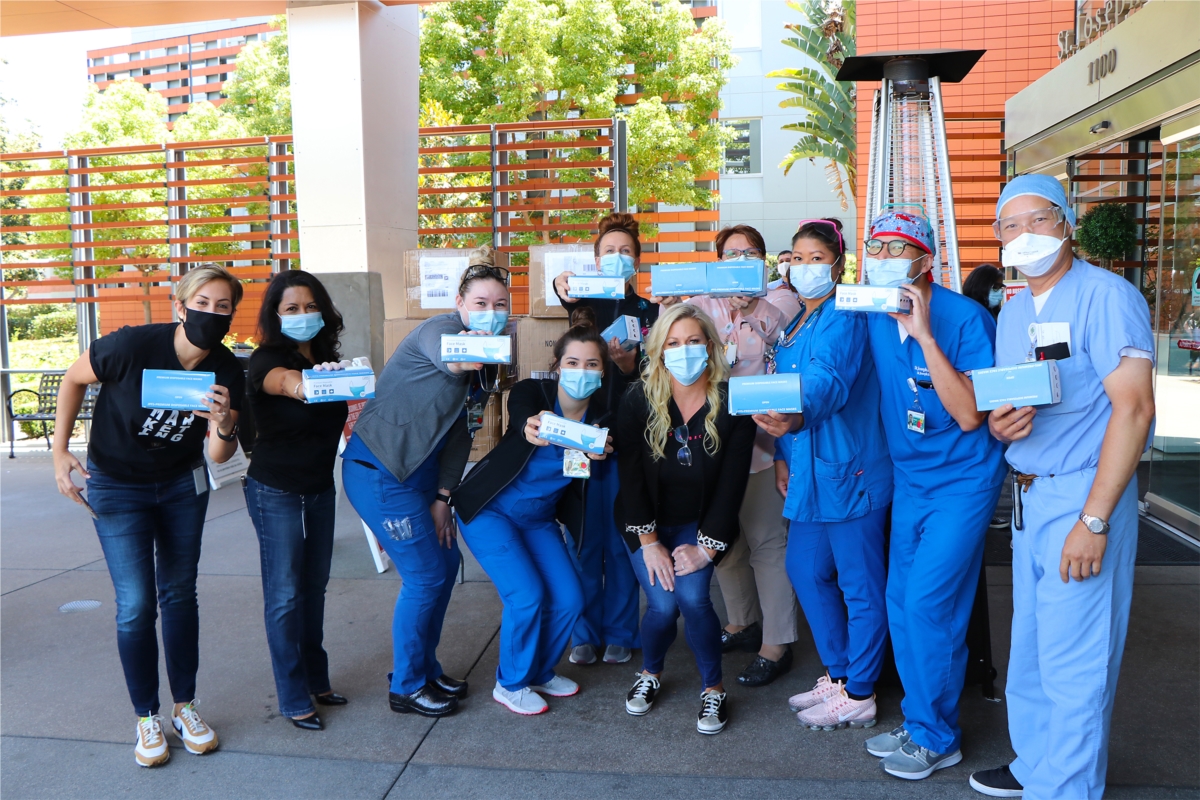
523 701
558 686
197 737
151 749
816 695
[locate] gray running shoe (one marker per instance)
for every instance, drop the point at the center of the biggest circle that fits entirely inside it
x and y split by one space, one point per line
617 655
913 762
583 654
885 744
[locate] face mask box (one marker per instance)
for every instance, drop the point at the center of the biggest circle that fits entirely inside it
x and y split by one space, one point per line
678 280
746 278
1035 383
330 386
758 394
598 286
626 330
860 297
176 389
459 347
571 434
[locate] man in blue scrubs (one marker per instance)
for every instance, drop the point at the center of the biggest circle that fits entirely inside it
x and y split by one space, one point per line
1075 527
947 480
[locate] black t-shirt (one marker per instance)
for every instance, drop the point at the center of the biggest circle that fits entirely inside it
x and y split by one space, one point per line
146 445
680 488
297 442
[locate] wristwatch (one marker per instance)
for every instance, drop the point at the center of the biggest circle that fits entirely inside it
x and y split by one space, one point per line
445 498
1094 524
232 434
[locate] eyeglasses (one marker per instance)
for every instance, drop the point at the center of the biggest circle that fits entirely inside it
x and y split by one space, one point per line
684 453
476 271
1041 221
895 247
738 255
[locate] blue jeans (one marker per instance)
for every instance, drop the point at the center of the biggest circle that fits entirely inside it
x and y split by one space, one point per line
692 597
295 545
150 534
399 517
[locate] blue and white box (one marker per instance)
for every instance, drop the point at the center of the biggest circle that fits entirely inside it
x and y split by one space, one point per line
747 278
176 389
462 347
330 386
1034 383
626 330
758 394
605 287
678 280
862 297
574 435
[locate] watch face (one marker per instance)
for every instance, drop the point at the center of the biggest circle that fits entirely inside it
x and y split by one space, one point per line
1095 526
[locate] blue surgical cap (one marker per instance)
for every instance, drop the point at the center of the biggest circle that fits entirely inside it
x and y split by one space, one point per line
1041 186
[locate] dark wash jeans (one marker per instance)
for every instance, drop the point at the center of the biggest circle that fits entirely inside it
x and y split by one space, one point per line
150 534
295 544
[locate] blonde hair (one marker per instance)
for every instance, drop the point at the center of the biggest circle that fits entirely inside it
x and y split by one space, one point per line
656 379
196 277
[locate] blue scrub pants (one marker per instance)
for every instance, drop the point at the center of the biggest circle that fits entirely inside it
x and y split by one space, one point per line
1067 641
837 570
399 517
528 563
610 589
933 573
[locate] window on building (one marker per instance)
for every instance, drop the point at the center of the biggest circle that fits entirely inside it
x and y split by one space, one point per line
744 155
135 56
172 50
158 86
214 95
173 117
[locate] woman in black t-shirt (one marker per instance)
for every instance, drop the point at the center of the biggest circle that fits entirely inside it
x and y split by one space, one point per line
147 489
289 486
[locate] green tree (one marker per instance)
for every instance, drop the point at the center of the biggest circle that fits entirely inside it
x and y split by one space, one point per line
827 131
259 91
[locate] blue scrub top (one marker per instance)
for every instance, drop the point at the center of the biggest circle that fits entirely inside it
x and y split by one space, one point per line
1106 313
945 460
838 463
534 493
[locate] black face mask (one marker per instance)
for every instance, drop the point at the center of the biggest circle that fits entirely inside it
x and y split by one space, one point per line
204 329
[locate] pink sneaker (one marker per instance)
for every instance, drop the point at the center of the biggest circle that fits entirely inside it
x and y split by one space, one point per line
839 711
816 696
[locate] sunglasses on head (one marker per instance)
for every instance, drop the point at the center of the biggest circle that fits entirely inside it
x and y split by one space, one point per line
841 242
476 271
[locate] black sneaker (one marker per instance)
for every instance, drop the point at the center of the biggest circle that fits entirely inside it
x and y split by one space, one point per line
713 713
748 639
998 782
640 699
1000 522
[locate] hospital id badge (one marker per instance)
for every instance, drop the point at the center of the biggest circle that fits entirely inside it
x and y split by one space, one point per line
731 353
916 421
576 464
474 417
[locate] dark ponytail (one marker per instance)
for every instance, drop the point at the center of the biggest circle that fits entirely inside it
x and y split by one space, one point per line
583 329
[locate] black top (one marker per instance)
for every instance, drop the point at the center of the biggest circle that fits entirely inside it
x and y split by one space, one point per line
506 460
679 486
148 445
722 481
297 442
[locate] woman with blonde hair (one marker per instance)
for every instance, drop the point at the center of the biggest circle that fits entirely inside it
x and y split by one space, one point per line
684 463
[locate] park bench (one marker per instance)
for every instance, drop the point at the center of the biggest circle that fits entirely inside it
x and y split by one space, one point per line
47 406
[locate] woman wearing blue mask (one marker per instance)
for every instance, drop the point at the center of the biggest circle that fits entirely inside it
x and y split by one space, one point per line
684 464
510 506
289 487
409 448
985 285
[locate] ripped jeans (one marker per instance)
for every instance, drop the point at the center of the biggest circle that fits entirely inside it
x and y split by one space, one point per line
398 515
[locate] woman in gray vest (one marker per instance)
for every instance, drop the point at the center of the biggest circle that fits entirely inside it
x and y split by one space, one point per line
409 447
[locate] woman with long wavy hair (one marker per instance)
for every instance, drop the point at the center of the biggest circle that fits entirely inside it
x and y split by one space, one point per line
684 463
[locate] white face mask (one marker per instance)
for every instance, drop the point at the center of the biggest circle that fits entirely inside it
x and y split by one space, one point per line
1032 253
813 280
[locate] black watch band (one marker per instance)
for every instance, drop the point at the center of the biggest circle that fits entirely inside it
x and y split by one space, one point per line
445 498
231 437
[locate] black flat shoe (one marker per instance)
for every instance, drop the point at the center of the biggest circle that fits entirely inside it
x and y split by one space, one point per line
427 701
763 670
451 686
312 723
331 699
748 639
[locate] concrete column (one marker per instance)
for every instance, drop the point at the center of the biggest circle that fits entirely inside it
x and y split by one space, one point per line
354 72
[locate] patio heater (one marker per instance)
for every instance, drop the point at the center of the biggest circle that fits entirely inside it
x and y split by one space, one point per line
908 164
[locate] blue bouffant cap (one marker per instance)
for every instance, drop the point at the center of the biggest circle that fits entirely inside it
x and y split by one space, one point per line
1042 186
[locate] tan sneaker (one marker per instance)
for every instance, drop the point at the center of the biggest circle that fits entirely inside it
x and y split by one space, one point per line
151 749
197 737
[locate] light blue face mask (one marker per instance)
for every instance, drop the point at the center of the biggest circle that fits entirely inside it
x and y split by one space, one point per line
491 321
687 363
995 297
812 280
580 383
301 327
617 265
888 271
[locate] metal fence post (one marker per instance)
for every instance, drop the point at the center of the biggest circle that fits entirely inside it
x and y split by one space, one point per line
86 313
279 225
620 170
177 214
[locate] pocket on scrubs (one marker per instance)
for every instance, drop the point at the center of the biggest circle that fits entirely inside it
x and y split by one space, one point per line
936 416
1074 379
841 489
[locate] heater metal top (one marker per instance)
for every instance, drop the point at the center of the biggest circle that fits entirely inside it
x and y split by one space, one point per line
951 66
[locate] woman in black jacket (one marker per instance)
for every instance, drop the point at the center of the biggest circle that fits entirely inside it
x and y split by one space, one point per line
684 463
509 507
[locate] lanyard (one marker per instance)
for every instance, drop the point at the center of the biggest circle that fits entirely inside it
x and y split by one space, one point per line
915 416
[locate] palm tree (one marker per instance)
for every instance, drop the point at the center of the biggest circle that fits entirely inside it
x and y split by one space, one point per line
827 131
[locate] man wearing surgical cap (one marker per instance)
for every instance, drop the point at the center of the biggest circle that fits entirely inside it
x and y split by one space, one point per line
1075 521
